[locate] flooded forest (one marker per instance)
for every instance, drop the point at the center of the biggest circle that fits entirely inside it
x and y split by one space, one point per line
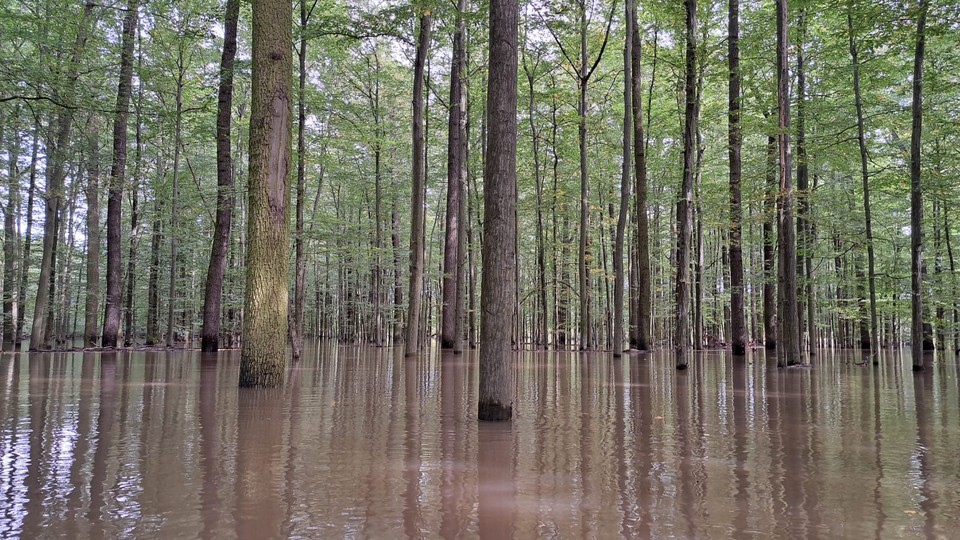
563 268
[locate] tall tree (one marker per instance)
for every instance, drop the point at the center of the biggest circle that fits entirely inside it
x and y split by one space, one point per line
499 218
642 232
415 290
684 210
625 180
916 196
92 303
735 142
262 357
111 315
11 215
789 353
456 169
56 175
213 293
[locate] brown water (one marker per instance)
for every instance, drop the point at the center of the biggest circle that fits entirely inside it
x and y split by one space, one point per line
361 443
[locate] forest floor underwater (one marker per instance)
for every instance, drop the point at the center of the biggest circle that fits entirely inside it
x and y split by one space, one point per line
362 442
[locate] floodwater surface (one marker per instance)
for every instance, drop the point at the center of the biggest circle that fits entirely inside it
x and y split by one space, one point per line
362 442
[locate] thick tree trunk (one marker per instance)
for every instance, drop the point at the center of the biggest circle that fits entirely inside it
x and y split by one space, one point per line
499 218
642 233
916 198
625 183
789 323
456 168
262 357
213 292
735 138
111 315
56 174
415 289
684 217
873 342
91 332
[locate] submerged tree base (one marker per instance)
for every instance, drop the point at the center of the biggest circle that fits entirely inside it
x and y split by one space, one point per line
495 412
261 374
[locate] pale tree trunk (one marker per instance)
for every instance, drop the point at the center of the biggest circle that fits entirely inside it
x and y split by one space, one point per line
769 243
789 353
916 198
213 292
684 218
28 236
499 223
452 300
415 290
735 138
56 175
642 233
111 315
262 357
91 330
625 184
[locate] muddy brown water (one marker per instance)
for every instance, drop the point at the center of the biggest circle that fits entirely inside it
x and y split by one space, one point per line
363 443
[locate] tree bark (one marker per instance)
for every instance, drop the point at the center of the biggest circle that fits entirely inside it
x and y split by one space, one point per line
788 314
625 183
262 357
735 141
682 342
300 265
111 315
11 240
415 289
499 223
916 198
213 292
642 233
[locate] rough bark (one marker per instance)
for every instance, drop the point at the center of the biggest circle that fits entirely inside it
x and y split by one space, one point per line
916 198
682 342
415 289
262 357
213 292
499 224
735 138
111 315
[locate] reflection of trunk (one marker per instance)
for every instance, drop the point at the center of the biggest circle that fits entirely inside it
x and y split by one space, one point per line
734 137
916 199
415 290
873 340
684 216
111 315
56 174
498 283
213 292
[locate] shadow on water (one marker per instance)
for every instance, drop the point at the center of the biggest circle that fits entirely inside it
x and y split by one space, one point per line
363 442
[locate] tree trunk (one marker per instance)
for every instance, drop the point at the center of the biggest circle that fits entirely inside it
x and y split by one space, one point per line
684 217
769 253
916 198
300 265
625 182
172 294
92 305
455 172
415 290
642 239
873 342
28 236
262 357
499 218
56 174
153 281
583 254
735 138
789 323
11 240
213 292
111 314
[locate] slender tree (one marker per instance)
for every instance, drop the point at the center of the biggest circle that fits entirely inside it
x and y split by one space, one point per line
11 214
111 314
684 210
735 142
92 304
499 217
642 232
415 290
916 197
213 292
262 357
625 181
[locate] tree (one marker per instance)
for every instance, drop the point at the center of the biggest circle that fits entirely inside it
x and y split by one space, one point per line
210 334
262 357
684 215
92 304
735 141
916 196
625 179
415 289
499 218
111 314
